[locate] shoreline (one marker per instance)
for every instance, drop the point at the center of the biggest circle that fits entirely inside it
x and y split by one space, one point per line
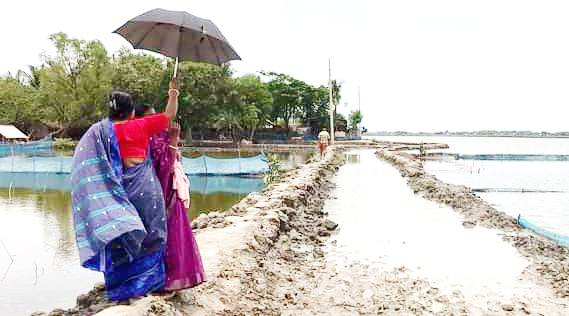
241 247
547 259
267 254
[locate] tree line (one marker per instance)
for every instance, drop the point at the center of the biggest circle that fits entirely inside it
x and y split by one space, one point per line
69 91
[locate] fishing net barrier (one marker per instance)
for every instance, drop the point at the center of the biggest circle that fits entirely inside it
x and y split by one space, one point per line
61 182
39 147
555 237
509 157
201 165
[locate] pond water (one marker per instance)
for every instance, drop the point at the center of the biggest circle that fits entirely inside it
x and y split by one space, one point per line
39 264
524 176
388 227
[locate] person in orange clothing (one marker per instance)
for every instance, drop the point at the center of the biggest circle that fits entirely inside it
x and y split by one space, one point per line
323 141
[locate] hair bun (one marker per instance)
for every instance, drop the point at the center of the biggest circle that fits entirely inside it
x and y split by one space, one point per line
113 104
120 105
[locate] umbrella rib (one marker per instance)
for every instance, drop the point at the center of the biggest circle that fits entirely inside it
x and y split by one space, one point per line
198 54
214 50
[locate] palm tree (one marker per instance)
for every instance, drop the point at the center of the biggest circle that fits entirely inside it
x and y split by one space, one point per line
336 87
228 120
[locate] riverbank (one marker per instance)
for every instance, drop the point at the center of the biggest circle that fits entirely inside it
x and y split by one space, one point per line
278 253
246 251
548 260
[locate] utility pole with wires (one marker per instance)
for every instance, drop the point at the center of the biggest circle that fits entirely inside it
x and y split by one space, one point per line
331 102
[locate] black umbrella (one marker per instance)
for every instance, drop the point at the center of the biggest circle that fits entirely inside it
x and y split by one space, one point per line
179 35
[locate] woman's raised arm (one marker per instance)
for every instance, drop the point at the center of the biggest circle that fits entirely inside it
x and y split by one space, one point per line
173 93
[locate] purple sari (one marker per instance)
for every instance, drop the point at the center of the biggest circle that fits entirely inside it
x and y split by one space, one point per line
184 267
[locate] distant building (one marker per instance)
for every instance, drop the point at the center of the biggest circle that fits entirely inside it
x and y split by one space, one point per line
340 135
10 133
354 134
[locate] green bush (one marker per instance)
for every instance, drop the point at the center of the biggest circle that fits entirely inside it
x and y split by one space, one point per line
275 169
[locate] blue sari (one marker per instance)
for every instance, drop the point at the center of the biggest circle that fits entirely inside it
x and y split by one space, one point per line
119 216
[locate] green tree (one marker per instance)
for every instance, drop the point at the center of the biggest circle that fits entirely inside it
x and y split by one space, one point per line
16 102
138 74
315 108
75 82
69 91
229 120
336 92
288 94
34 77
256 102
336 95
249 119
354 119
205 90
340 122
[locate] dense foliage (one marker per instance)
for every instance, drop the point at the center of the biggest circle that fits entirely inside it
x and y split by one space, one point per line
69 90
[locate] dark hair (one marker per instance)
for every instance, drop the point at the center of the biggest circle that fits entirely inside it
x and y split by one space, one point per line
120 105
140 109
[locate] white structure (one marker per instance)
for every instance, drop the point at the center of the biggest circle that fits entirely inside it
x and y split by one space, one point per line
11 133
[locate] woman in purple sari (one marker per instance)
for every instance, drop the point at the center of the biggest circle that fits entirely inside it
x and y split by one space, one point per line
184 267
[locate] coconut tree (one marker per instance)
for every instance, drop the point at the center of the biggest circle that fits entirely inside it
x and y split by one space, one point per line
229 120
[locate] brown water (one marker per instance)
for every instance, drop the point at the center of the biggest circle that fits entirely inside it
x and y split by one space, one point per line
219 201
39 264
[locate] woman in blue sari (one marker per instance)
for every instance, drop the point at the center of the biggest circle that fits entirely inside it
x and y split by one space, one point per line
118 206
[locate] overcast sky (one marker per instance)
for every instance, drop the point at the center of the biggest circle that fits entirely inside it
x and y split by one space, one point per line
422 65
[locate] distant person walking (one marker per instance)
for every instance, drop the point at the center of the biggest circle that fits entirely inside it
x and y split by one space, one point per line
323 141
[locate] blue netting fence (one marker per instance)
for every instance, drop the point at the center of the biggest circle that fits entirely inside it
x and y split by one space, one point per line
515 157
558 238
205 165
199 183
202 165
40 147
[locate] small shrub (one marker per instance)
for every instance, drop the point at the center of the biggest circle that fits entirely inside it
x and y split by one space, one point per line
275 169
64 144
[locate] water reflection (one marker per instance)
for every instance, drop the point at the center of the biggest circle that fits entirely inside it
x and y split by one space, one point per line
38 252
352 158
53 207
218 201
535 189
387 223
39 264
37 245
289 159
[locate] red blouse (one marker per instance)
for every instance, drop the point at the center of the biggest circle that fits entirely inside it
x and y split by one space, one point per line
133 135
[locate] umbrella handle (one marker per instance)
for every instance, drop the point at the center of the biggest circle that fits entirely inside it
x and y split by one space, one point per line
175 68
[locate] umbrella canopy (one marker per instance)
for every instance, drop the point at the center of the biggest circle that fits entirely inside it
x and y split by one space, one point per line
179 35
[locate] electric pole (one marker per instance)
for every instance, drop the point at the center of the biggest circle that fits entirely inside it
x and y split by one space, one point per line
331 101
